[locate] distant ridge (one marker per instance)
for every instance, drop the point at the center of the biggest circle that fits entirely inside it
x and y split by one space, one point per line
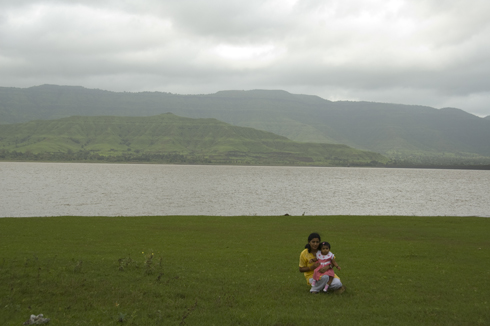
399 131
168 138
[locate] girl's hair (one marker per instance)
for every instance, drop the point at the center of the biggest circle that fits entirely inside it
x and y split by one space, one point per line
324 244
311 237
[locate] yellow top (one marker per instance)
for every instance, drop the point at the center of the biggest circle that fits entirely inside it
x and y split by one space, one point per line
304 261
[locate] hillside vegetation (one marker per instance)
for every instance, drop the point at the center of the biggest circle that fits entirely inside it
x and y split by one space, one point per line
402 132
167 138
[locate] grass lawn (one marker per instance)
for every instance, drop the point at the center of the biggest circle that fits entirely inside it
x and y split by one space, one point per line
200 270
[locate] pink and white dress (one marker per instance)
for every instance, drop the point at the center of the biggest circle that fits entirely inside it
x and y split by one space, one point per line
324 260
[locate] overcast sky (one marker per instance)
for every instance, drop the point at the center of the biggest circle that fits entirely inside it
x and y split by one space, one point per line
426 52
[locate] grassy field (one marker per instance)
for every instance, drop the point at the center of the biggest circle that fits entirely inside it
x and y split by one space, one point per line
182 270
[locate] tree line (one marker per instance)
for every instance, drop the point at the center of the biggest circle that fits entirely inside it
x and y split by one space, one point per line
178 158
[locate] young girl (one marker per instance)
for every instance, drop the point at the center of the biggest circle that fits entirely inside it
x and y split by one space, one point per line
326 258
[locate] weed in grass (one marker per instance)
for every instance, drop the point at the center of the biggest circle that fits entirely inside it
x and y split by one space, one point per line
121 317
148 264
78 267
188 312
159 277
125 263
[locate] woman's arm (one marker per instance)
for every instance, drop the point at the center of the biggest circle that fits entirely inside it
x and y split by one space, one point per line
309 268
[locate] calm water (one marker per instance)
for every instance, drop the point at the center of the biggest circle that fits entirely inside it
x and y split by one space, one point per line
55 189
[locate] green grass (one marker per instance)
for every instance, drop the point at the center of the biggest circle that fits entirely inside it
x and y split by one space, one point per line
243 270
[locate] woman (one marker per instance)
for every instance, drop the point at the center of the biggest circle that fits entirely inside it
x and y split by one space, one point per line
308 268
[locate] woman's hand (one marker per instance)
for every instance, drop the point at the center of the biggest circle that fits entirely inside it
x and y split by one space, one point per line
324 269
309 268
314 266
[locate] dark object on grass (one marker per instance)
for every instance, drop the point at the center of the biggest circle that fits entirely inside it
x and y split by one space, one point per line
340 291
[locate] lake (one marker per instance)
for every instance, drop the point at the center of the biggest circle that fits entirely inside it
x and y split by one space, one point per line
82 189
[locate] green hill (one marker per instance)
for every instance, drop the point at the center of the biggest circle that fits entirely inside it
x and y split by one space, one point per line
399 131
168 138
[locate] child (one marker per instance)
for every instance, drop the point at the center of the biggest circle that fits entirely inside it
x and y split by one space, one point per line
326 258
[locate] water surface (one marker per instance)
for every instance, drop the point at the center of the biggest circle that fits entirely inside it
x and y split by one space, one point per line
82 189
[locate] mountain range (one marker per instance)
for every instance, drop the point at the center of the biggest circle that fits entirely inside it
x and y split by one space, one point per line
395 130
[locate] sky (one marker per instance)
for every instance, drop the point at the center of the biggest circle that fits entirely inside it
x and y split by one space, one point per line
422 52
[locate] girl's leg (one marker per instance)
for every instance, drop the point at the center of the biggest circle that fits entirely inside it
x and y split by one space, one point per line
336 284
333 284
330 279
320 284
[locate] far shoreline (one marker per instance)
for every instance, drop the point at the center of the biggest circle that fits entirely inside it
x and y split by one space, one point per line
243 216
387 166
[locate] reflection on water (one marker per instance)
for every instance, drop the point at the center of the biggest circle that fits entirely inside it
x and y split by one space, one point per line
81 189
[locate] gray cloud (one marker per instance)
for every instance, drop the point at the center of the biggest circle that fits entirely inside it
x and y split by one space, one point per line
416 52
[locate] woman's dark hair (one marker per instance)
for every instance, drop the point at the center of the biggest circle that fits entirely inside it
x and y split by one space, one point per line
311 237
324 244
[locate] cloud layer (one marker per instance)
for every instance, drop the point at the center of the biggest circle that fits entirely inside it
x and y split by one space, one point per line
415 52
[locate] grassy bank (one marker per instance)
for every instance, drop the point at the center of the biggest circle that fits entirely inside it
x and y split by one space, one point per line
243 270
